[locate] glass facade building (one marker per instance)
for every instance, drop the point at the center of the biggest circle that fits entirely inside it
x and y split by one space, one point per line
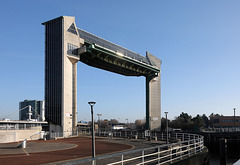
35 113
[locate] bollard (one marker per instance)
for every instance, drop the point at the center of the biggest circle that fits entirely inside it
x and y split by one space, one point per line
223 151
23 144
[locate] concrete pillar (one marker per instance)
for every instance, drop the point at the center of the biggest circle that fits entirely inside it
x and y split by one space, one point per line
153 96
74 97
29 113
148 126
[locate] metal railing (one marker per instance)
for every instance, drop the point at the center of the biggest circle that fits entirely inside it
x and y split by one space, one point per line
53 135
19 126
187 145
134 134
227 129
38 135
191 145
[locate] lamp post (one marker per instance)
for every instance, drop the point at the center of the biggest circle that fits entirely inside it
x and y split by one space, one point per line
92 103
166 126
234 119
99 115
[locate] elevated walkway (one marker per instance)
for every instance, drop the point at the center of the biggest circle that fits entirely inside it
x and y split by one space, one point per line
106 55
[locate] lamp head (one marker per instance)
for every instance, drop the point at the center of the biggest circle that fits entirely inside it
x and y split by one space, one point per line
91 103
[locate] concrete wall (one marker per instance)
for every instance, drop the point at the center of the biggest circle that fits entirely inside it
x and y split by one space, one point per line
7 136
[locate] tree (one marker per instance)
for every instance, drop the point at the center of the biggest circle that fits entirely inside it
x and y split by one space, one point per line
197 123
205 121
113 122
184 121
213 115
140 124
163 124
105 125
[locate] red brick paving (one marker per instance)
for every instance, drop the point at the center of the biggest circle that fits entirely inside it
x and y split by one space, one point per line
84 149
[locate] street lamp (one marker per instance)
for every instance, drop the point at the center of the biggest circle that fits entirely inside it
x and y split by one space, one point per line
92 103
234 119
99 115
166 125
127 122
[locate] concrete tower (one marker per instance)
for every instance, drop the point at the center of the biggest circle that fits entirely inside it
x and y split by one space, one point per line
61 37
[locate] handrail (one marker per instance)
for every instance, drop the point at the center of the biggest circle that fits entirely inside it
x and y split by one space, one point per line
35 135
191 148
189 145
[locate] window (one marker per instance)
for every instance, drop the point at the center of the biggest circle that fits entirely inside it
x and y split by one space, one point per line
216 120
71 46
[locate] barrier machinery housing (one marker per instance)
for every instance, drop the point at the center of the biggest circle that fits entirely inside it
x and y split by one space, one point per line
65 45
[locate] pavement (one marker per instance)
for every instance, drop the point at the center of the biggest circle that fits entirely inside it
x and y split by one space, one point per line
62 150
33 147
50 151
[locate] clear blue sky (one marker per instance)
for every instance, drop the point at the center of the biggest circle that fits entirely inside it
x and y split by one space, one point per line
197 41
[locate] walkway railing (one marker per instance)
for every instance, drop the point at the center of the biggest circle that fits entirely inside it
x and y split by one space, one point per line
187 145
134 134
62 134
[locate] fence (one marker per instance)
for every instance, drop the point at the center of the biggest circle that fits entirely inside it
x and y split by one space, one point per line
227 129
38 135
19 126
187 145
53 135
137 135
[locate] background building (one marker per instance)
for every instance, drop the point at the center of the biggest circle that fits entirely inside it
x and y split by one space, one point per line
31 110
224 121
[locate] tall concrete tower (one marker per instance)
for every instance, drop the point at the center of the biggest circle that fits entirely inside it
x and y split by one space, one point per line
61 37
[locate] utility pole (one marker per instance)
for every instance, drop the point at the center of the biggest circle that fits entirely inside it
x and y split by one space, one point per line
99 115
166 126
234 119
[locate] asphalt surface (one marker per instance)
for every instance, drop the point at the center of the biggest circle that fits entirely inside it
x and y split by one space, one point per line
135 143
44 152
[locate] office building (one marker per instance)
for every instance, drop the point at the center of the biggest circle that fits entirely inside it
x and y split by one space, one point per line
32 110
